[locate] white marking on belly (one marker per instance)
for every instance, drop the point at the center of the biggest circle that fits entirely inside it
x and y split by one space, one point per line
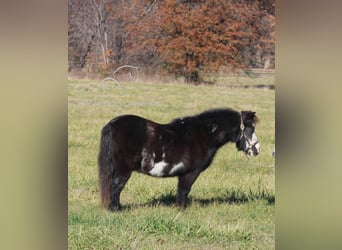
158 168
179 166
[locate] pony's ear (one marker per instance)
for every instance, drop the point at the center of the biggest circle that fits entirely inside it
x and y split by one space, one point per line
255 118
250 116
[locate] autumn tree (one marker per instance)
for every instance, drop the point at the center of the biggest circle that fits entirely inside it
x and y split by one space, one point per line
195 37
259 25
190 37
180 37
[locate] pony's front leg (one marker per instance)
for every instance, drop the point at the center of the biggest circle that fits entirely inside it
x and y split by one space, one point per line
184 186
118 183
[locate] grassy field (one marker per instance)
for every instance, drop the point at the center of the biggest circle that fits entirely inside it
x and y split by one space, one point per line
231 203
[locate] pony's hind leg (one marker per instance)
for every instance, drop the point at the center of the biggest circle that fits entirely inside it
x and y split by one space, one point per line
118 183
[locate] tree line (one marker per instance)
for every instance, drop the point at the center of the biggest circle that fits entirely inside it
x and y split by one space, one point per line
178 38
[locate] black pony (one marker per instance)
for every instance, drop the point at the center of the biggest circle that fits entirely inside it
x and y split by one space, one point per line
184 147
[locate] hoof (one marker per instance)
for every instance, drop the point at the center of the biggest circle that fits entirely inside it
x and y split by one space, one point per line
114 208
181 206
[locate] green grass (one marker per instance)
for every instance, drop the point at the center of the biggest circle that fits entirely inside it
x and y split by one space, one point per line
231 203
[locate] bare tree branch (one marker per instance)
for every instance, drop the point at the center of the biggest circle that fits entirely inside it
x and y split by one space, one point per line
125 66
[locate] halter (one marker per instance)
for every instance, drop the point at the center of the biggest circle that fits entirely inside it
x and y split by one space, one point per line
242 128
243 135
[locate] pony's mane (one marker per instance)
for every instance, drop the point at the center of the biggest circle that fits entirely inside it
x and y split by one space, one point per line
213 113
206 115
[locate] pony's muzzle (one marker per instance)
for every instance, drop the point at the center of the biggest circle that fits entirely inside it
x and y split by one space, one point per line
254 150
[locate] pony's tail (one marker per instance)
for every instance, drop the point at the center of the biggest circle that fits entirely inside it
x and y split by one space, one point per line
105 164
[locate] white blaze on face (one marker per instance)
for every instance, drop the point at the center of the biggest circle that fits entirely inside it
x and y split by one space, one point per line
254 138
257 146
253 142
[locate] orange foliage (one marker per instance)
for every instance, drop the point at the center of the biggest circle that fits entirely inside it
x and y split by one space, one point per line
195 36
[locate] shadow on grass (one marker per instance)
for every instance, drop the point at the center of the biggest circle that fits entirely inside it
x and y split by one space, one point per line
232 198
227 197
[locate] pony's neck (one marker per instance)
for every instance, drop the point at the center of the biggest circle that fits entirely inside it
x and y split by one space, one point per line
228 133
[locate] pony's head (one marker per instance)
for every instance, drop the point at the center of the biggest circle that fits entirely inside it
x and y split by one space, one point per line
247 140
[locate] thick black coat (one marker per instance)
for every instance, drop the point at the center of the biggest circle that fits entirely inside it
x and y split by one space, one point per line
184 148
